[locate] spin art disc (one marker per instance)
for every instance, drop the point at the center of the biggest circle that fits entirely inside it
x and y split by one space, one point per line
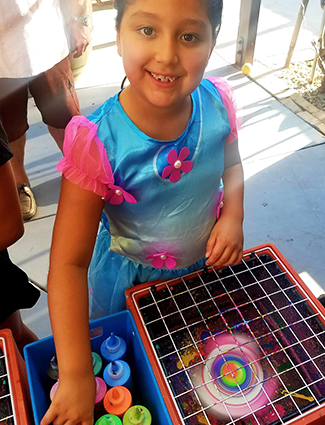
232 378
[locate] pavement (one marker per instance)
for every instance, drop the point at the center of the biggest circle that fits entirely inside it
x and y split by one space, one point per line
283 155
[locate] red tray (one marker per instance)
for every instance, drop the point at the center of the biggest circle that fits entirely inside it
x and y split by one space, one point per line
265 305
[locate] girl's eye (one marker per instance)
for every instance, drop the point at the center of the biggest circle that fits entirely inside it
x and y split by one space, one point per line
147 31
189 37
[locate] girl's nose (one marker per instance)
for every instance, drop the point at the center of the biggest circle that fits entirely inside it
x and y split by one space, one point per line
167 51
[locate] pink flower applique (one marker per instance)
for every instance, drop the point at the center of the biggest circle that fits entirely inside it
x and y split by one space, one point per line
158 260
116 195
178 164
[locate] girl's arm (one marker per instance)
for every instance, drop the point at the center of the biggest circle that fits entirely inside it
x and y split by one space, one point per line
11 222
225 245
74 236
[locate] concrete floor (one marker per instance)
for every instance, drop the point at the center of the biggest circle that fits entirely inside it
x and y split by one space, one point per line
283 157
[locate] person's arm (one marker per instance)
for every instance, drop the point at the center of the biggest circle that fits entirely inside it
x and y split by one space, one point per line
11 221
74 236
225 244
79 33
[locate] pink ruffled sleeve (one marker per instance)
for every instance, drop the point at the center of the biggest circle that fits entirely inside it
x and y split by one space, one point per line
227 95
85 161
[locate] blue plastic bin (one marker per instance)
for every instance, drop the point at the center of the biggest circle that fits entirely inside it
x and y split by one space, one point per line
38 354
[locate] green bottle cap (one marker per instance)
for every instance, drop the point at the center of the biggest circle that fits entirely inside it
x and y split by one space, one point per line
137 415
97 363
109 420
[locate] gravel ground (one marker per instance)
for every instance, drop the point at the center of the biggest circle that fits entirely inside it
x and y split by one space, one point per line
298 75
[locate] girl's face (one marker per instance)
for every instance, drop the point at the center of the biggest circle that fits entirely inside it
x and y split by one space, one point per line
165 46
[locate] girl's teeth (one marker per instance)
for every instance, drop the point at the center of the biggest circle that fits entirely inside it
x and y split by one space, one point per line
163 78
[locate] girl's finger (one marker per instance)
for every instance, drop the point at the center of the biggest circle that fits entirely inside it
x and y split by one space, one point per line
235 258
223 260
228 258
210 245
216 255
48 418
239 257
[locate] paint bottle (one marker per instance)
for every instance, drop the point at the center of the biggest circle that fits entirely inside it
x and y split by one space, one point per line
53 390
118 373
137 415
101 389
117 401
52 368
109 420
113 348
97 363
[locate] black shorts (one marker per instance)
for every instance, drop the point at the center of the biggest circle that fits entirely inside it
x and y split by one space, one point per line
16 291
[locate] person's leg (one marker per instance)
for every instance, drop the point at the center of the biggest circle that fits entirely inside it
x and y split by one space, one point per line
58 135
13 111
26 197
17 162
21 333
56 98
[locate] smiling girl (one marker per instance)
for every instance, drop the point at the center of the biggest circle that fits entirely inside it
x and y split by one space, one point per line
160 160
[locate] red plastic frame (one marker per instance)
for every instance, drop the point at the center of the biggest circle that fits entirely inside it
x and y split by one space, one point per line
315 417
18 379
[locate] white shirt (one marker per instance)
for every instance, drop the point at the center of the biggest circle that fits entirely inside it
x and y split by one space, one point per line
32 37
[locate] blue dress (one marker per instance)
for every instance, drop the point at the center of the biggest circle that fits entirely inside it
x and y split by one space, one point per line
162 197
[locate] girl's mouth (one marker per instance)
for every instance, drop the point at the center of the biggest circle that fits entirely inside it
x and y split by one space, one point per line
163 78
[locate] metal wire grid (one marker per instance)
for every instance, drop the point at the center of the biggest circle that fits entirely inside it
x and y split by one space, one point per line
278 297
7 415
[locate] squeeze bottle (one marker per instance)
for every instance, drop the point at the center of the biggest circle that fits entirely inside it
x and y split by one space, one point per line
109 420
137 415
117 401
52 368
101 389
53 390
97 363
113 348
118 373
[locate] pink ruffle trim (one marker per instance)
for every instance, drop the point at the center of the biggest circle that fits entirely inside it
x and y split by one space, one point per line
227 95
85 161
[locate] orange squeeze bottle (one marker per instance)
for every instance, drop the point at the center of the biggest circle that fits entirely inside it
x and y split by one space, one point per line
117 401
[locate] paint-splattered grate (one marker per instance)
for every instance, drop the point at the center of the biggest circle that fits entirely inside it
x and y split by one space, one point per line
7 411
244 345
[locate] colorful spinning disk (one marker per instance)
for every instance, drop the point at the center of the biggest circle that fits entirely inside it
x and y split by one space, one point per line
232 380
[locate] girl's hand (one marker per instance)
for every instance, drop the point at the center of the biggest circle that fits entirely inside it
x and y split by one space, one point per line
225 244
73 402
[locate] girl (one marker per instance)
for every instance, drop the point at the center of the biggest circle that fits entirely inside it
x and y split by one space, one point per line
157 157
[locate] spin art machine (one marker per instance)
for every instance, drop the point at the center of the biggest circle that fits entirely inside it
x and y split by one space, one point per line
14 396
244 345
